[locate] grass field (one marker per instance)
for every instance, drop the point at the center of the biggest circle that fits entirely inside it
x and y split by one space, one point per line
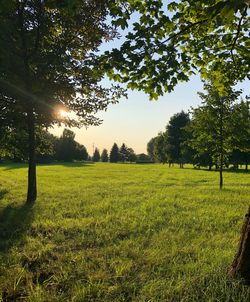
120 232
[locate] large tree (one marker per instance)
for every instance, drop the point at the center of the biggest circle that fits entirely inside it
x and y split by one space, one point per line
171 41
48 52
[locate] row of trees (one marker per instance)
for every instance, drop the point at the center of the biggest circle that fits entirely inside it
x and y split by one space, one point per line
217 133
122 154
48 147
13 146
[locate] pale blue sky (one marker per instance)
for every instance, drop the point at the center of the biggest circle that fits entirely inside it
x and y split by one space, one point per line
136 120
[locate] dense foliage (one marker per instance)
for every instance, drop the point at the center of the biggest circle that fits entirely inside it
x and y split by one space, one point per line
48 64
216 134
170 41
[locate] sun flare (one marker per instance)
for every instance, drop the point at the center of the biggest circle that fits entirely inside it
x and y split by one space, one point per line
63 113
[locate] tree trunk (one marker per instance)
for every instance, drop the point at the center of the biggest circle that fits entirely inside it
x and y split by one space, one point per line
221 176
210 167
246 166
32 189
241 264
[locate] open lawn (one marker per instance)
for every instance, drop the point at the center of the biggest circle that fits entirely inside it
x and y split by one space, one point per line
120 232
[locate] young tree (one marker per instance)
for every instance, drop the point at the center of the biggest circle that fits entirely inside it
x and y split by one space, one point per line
114 156
48 63
212 126
104 156
96 156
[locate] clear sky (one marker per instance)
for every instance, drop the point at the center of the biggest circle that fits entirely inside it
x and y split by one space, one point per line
136 120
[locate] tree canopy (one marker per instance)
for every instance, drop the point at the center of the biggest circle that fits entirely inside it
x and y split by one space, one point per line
48 63
170 42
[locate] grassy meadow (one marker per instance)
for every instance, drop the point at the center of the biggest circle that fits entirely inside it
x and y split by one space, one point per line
120 232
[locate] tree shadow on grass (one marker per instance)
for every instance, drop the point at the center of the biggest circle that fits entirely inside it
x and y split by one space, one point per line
2 194
230 170
14 222
13 166
74 164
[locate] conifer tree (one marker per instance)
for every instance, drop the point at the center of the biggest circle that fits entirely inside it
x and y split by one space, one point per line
114 154
104 156
96 155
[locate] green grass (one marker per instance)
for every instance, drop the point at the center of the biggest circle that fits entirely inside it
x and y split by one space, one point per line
120 232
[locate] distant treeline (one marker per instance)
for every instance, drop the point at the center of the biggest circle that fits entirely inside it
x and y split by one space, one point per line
51 148
205 136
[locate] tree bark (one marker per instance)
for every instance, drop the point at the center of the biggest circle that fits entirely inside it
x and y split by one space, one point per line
32 187
221 176
241 264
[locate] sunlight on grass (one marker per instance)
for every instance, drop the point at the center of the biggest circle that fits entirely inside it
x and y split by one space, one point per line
114 232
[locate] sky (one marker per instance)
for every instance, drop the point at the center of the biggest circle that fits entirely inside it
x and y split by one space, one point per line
134 121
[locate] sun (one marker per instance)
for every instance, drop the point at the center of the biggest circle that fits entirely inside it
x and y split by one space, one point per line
63 113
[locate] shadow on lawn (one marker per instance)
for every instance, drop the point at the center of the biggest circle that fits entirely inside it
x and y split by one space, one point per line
230 170
2 194
74 164
14 222
13 166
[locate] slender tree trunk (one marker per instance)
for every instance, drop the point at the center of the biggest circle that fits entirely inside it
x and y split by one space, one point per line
32 188
221 176
221 144
241 264
210 167
246 167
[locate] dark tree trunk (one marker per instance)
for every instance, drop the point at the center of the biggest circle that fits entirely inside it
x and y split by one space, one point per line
246 166
210 167
32 189
241 264
221 177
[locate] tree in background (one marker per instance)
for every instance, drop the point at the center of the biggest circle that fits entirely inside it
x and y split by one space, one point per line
123 153
67 149
96 156
241 133
212 126
81 152
104 156
114 156
150 149
143 158
131 155
48 63
160 148
66 146
176 136
16 144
